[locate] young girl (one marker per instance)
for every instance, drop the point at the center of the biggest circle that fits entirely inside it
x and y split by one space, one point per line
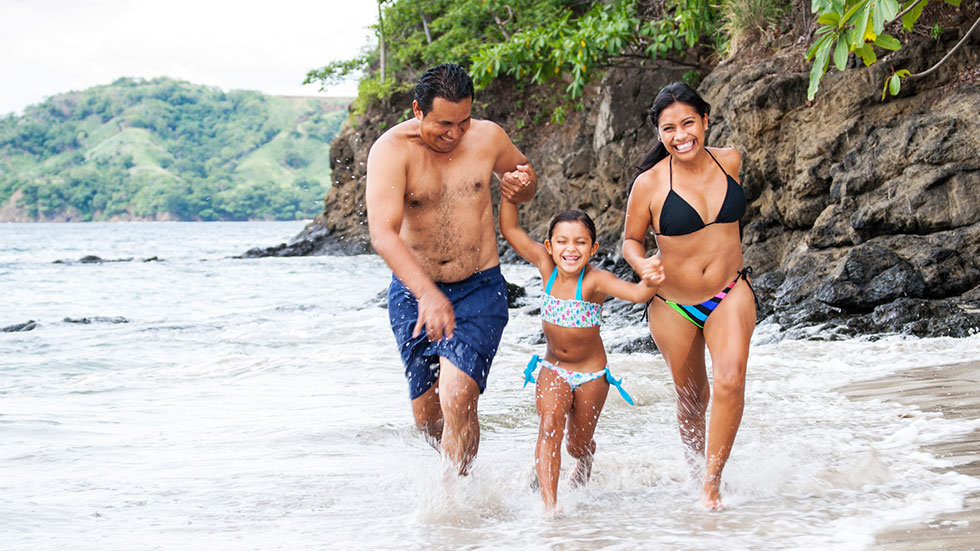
574 379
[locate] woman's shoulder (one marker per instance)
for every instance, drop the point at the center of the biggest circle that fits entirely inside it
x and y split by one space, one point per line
655 176
729 158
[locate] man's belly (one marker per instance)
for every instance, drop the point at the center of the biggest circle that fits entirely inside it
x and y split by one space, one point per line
448 257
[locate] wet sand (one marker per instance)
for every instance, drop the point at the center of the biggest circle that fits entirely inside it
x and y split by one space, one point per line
954 391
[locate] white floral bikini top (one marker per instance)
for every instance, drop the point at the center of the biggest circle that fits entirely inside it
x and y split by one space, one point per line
569 313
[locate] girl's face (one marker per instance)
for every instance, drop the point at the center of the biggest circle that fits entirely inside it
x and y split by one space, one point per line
682 129
571 246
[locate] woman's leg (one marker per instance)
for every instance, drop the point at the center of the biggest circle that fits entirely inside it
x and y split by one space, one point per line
587 403
727 334
682 345
554 400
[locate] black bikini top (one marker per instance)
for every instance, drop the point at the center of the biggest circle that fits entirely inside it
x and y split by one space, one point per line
678 217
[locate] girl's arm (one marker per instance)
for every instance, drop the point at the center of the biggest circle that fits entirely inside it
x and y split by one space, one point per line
528 248
608 283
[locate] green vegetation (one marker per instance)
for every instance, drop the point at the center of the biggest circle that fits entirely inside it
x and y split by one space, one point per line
859 26
570 42
533 41
165 149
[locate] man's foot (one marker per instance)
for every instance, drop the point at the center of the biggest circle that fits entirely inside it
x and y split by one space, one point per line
582 473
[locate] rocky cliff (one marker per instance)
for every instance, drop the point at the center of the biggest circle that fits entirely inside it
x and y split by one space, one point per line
864 215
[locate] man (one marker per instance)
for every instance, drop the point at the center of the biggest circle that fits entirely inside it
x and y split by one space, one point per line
431 219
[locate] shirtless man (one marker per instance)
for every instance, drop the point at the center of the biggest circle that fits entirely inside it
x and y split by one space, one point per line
431 220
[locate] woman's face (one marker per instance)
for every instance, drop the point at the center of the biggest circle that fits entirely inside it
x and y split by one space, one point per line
681 129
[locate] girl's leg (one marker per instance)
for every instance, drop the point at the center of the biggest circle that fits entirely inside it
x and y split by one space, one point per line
587 403
554 400
682 345
727 333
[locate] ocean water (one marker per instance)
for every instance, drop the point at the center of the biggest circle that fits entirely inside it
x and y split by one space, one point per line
220 403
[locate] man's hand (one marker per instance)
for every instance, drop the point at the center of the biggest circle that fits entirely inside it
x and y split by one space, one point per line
436 314
519 186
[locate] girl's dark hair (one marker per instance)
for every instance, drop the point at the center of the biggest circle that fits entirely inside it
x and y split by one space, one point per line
669 95
573 216
448 81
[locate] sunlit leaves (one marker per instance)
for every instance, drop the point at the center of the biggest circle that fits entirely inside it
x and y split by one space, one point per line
858 26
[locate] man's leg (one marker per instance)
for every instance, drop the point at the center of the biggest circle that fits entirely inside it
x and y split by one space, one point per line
428 415
458 396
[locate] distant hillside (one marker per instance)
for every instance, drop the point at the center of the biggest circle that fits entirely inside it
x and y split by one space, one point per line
163 149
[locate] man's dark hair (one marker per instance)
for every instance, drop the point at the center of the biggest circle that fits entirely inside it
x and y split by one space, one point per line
448 81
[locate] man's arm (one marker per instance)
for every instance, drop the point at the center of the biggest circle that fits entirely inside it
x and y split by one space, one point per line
385 201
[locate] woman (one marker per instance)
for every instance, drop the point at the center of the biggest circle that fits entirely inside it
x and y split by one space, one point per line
688 194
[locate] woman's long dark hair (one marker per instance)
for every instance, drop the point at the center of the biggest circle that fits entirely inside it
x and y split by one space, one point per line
670 94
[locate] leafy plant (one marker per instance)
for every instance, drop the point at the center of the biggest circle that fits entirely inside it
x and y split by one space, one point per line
576 47
859 26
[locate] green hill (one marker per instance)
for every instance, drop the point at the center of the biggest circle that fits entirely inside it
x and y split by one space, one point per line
163 149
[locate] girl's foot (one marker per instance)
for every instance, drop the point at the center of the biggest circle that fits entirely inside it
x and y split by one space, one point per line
583 472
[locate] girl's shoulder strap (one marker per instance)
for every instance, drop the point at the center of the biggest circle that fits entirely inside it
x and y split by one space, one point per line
551 280
578 286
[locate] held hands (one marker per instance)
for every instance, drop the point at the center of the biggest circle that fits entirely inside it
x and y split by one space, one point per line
519 186
651 272
436 314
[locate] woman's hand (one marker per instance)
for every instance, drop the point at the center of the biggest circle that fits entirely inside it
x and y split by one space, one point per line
651 271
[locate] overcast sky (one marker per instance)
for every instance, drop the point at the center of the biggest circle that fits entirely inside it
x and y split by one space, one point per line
52 46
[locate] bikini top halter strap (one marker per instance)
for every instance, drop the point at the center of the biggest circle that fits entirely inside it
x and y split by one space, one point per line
670 165
578 287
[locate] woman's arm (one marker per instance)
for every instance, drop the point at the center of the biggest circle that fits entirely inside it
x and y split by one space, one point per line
528 248
638 220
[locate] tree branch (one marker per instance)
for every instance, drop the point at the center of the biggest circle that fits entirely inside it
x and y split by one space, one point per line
906 10
948 55
503 30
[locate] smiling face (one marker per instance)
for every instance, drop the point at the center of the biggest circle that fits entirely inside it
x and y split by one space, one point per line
571 245
682 129
443 126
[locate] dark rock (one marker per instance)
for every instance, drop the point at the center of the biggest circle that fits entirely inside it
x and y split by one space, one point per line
515 292
96 319
28 325
316 239
93 259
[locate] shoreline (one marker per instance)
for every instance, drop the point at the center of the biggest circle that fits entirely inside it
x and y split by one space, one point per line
954 391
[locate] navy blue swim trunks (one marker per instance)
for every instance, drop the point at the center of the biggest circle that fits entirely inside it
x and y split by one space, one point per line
480 305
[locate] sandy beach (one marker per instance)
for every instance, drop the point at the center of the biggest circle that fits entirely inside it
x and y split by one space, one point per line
954 391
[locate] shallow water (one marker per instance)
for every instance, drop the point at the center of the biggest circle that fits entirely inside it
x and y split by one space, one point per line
219 403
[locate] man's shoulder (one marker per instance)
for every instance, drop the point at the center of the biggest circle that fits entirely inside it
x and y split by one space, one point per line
489 134
396 137
485 126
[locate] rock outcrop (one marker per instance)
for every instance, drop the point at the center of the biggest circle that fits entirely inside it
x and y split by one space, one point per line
864 216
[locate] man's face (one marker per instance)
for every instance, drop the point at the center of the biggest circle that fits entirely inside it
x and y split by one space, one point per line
443 126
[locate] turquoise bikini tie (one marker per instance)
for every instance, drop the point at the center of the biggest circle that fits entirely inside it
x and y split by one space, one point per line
529 371
531 365
619 386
